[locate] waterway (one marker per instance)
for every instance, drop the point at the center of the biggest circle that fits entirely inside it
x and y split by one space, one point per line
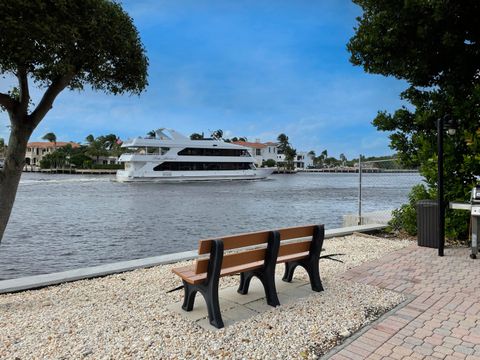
62 222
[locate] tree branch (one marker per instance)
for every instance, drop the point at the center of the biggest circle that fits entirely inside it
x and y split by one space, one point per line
49 97
7 102
24 92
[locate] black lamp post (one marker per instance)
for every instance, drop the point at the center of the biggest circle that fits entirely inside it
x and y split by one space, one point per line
442 125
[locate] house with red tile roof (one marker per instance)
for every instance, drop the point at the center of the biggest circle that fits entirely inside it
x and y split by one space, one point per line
260 151
37 150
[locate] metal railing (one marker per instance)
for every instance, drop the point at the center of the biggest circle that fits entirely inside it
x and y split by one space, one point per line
383 185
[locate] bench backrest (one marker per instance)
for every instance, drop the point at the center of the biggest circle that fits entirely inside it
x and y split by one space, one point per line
295 233
233 242
239 241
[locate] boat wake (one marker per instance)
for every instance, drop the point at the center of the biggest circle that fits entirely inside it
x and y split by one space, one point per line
64 181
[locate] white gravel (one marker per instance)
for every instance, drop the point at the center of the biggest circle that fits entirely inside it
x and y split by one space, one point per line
125 316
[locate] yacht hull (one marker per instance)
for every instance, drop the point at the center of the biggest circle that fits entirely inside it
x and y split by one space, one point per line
184 176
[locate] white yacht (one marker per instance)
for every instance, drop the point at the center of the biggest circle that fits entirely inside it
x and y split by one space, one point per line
174 157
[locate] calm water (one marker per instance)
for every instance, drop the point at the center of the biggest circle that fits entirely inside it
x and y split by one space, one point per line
62 222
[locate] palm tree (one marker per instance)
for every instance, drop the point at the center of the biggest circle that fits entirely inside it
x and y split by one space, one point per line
96 148
323 156
290 154
2 146
90 139
283 143
343 159
51 137
110 141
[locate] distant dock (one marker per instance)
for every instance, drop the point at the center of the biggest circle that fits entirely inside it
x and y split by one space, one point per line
355 170
285 171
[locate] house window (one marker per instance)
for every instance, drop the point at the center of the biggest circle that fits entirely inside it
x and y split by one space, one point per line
258 152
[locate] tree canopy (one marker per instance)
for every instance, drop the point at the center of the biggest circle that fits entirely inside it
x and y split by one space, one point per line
427 43
433 46
58 44
80 42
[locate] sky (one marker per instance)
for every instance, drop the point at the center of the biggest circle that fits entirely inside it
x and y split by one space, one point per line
251 68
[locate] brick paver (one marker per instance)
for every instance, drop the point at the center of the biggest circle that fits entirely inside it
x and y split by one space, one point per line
443 319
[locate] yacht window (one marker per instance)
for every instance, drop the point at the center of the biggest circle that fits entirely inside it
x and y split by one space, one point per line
212 152
201 166
154 150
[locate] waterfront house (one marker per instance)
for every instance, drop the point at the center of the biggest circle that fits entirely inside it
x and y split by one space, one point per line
261 152
37 150
105 160
303 160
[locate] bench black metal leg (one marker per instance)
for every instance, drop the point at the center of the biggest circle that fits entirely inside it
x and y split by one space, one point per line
209 289
289 270
314 275
266 274
189 298
310 264
268 283
213 307
312 270
245 278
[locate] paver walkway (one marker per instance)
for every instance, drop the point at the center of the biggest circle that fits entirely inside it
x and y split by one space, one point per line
443 319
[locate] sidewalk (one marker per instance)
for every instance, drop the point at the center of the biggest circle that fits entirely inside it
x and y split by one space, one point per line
441 322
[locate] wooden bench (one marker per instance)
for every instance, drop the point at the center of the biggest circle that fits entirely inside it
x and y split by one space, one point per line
204 275
305 253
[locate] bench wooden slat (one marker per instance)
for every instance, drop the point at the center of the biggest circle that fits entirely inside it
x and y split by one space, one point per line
292 257
187 273
235 241
296 232
293 248
231 260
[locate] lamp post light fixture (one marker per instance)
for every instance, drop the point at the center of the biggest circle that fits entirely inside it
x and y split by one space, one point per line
450 126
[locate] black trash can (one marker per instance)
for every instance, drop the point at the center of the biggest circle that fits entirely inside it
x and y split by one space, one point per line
427 223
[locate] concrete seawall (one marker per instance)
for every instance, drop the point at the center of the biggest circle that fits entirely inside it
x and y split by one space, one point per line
39 281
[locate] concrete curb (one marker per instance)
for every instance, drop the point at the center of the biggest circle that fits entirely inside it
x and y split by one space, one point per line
39 281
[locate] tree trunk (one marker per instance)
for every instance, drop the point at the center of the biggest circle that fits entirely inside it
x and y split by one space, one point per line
12 170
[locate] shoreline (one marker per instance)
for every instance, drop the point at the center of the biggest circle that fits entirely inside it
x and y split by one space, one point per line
44 280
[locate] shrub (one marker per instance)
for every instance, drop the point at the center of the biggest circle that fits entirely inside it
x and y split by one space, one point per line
269 163
405 217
